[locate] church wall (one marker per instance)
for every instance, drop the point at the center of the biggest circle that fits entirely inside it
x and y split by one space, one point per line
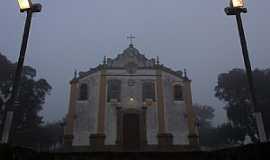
133 69
131 86
110 124
175 110
86 111
152 125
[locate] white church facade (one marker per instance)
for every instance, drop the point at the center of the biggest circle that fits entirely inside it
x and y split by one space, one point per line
130 101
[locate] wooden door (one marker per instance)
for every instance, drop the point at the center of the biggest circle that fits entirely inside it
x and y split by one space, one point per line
131 131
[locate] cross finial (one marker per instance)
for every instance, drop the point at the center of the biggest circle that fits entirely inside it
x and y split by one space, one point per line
75 74
130 38
185 73
104 60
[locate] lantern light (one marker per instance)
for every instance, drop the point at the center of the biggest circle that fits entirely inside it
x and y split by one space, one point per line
131 99
24 4
236 7
237 3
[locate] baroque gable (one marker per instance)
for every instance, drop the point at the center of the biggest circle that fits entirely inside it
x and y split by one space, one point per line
130 59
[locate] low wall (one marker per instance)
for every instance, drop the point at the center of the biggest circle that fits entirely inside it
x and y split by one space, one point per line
247 152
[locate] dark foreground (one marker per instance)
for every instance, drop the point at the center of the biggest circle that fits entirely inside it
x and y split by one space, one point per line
247 152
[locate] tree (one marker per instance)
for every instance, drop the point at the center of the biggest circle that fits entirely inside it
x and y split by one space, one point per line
4 69
205 114
221 135
233 89
29 100
51 135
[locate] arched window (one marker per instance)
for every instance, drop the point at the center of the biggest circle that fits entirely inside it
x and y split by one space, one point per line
114 90
178 92
83 92
148 91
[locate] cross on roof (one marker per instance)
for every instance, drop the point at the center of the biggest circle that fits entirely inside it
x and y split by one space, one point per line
131 37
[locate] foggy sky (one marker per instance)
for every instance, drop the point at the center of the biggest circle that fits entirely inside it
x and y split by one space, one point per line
191 34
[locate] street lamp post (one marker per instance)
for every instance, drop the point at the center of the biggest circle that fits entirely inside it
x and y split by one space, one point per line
236 8
29 8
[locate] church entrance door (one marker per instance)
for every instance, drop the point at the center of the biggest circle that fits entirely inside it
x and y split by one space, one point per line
131 131
131 128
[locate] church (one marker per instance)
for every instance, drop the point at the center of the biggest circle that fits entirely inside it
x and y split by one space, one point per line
130 101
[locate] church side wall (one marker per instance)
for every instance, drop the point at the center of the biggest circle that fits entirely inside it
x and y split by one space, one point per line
86 111
175 110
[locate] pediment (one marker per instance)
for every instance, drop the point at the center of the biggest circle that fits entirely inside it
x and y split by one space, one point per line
129 58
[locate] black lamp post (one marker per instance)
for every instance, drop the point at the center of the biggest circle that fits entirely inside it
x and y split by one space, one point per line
29 8
236 8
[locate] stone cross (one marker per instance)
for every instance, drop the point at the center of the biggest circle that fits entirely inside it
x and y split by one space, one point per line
131 37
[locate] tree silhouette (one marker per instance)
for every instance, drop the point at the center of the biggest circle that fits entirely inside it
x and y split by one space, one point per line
233 89
29 101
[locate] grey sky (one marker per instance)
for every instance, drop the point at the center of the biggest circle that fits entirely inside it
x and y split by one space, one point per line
76 34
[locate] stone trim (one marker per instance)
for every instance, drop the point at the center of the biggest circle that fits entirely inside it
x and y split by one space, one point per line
104 66
193 139
68 132
102 103
97 140
193 135
68 139
160 103
165 139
